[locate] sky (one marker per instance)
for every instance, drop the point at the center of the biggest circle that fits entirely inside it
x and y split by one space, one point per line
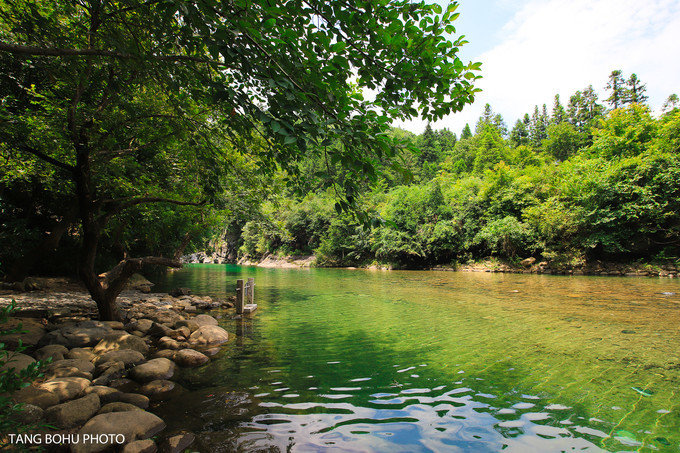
531 50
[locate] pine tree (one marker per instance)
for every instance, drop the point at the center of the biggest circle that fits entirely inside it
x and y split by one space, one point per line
635 93
429 147
671 103
486 118
537 132
559 115
520 134
618 91
467 133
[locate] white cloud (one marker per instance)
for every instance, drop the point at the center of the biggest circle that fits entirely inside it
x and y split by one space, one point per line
558 46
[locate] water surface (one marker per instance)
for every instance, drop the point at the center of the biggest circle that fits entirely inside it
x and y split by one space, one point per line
356 360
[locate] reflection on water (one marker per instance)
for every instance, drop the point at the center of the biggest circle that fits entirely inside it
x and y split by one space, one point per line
359 360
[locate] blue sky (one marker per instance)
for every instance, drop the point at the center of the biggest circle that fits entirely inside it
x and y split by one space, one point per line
534 49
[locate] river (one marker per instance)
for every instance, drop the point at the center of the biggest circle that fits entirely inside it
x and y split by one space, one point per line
359 360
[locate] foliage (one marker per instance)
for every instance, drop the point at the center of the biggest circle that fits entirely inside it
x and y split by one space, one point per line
11 379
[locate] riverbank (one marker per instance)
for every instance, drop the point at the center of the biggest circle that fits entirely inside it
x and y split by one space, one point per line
104 374
526 266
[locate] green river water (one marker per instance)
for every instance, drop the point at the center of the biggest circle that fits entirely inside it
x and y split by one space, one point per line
357 360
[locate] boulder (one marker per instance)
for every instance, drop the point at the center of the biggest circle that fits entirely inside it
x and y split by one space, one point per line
73 413
138 400
129 357
209 335
66 388
188 323
35 396
80 353
141 325
109 371
140 283
140 446
134 425
158 330
190 358
118 407
86 333
168 343
204 320
160 389
115 325
30 334
119 340
177 443
528 262
153 369
78 364
54 351
124 385
30 414
18 361
164 316
165 353
105 394
182 333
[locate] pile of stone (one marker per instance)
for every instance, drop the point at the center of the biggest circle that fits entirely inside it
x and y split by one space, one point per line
104 374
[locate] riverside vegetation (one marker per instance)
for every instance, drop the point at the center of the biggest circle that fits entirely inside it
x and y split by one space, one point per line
579 185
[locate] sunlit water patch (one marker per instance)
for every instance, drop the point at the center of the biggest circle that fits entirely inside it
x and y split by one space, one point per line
354 360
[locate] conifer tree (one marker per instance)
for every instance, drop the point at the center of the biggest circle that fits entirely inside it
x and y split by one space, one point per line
671 103
467 133
635 92
559 115
618 90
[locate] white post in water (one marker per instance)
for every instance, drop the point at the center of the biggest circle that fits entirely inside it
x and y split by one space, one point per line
239 296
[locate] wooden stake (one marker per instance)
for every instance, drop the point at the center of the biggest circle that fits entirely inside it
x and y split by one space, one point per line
239 296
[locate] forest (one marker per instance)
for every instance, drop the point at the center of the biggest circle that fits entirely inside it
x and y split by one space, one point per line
568 184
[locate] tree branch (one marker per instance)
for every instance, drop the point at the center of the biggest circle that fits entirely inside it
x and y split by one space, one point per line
114 281
19 49
46 158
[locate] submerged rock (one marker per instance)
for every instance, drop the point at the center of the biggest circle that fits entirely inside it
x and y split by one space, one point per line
190 358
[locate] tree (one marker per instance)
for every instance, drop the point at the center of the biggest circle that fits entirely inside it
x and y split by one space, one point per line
671 103
537 130
618 91
429 146
466 133
635 92
519 134
559 115
140 103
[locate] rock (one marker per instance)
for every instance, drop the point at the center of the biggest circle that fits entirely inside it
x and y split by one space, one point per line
118 407
168 343
105 394
115 325
77 364
164 353
80 353
17 361
140 446
183 332
30 414
138 400
118 341
140 283
190 358
168 317
85 333
181 291
204 320
54 351
34 284
74 413
66 388
188 323
177 443
124 385
211 352
109 371
31 332
134 425
209 335
528 262
160 389
36 396
153 369
129 357
159 330
141 325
